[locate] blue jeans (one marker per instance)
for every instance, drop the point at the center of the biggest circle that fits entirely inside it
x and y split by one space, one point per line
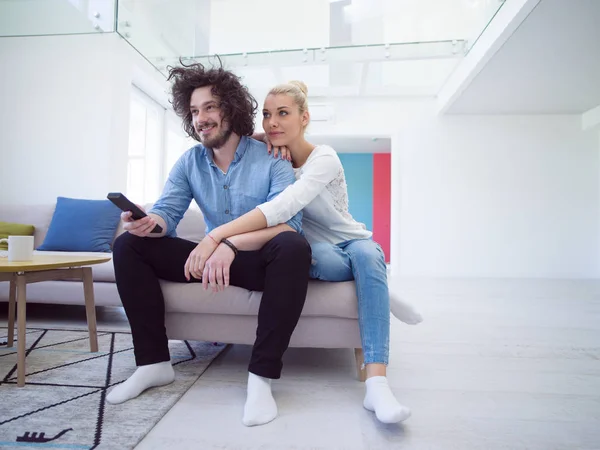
361 260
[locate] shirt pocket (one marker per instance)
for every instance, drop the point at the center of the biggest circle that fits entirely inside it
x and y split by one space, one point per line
248 201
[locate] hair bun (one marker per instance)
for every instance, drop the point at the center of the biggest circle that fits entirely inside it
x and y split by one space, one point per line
300 85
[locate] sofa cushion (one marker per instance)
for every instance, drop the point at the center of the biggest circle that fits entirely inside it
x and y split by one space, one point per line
104 272
192 226
101 272
323 299
82 225
37 215
14 229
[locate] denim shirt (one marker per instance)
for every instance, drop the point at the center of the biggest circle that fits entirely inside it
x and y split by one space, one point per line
254 177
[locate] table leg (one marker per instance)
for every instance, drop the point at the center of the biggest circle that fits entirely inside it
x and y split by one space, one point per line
11 311
90 307
21 326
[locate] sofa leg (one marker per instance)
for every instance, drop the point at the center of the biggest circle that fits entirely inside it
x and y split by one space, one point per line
362 372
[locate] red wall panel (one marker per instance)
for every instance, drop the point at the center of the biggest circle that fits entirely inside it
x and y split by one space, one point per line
382 177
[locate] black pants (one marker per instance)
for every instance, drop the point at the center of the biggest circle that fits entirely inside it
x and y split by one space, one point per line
279 270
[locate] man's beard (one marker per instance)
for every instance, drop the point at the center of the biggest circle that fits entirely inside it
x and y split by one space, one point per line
217 141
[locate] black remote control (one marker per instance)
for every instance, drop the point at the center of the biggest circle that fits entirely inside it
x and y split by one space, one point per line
124 204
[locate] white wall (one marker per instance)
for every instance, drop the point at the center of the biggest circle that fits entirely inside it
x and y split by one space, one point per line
485 196
64 116
503 196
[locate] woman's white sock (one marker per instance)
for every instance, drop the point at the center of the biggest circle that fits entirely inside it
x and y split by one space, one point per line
404 311
380 399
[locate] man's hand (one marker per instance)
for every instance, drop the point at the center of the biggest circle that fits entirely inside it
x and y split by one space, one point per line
140 228
194 265
216 270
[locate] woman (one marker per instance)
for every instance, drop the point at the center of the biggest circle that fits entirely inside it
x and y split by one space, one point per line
342 248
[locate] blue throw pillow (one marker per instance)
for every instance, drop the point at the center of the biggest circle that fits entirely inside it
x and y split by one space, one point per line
82 226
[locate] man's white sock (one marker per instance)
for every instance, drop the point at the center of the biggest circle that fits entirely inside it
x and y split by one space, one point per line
380 399
404 311
260 405
143 378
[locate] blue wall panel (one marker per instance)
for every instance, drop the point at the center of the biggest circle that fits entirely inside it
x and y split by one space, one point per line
358 168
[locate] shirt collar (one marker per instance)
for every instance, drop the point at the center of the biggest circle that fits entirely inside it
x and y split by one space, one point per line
241 148
239 152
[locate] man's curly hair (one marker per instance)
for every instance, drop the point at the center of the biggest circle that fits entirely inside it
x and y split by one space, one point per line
237 104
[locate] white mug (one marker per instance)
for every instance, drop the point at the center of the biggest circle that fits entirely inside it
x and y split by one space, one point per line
20 248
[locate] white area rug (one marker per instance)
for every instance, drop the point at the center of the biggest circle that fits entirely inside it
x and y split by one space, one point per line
63 403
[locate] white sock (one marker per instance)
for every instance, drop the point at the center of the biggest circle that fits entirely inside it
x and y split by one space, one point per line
404 311
260 405
380 399
143 378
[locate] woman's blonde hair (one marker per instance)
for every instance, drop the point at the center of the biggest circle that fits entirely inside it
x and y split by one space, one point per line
295 89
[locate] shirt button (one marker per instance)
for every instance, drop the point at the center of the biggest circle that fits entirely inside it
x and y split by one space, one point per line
225 187
226 211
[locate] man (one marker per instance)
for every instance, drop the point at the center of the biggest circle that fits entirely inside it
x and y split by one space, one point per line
228 174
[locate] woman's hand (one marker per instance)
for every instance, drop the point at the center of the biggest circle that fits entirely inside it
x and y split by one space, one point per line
283 150
196 261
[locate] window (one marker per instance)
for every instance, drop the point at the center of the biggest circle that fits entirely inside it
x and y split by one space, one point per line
146 143
176 143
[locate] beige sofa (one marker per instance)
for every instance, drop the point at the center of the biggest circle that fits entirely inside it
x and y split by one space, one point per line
329 318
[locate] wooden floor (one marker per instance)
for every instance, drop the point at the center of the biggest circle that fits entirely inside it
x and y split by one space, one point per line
497 364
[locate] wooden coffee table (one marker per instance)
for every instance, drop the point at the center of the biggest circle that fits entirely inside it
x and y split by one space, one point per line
46 268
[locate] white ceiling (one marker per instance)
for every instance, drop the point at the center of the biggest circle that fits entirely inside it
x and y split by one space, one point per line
353 144
550 65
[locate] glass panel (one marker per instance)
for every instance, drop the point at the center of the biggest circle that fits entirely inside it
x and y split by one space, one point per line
434 20
42 17
484 13
262 25
339 48
163 30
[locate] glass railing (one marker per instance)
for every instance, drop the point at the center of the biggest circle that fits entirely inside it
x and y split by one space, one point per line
339 47
52 17
158 28
487 11
347 47
372 70
342 54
